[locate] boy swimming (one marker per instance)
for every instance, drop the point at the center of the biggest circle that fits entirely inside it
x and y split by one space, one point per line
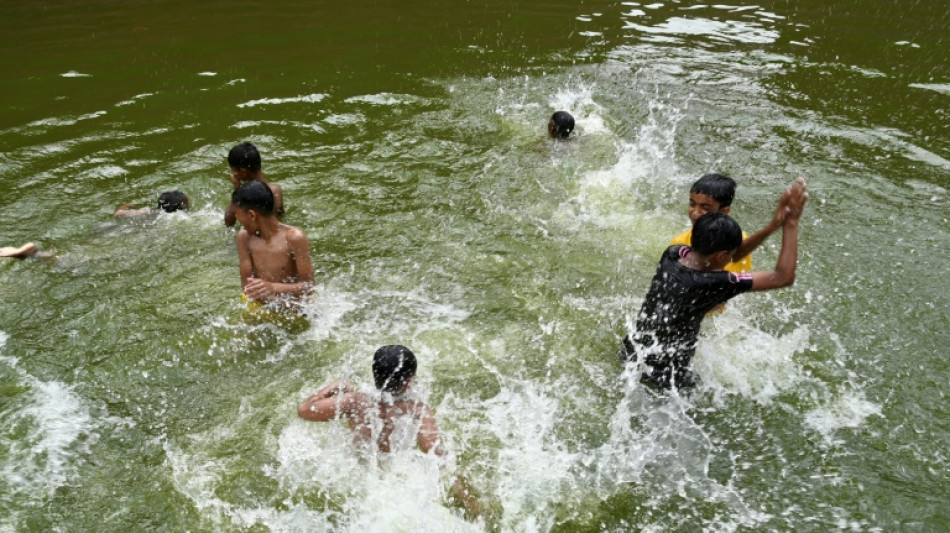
690 281
274 258
560 125
392 418
169 202
245 163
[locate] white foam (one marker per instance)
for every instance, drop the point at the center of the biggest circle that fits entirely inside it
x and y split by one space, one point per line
74 74
534 469
65 121
58 430
345 119
392 492
309 99
741 31
207 74
848 409
735 357
942 88
384 99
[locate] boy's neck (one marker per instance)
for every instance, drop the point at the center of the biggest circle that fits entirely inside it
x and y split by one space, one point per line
702 263
267 227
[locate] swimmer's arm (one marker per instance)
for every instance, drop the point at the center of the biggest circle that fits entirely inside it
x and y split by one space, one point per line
784 273
230 219
337 387
246 264
428 436
753 241
349 405
126 211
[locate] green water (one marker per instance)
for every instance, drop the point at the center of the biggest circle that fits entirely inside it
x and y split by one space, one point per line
409 141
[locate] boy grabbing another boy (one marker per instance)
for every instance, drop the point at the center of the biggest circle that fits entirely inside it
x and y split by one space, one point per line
691 280
245 163
274 257
715 192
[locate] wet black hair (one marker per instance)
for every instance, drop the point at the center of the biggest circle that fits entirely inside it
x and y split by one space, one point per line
255 195
715 232
393 366
563 124
245 155
720 187
171 201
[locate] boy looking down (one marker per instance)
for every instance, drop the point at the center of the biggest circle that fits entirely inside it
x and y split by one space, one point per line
274 257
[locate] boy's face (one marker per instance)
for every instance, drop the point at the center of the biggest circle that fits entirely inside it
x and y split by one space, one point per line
238 176
246 218
700 204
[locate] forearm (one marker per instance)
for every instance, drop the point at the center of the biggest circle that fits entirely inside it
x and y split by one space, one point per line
753 241
299 288
337 387
788 256
229 217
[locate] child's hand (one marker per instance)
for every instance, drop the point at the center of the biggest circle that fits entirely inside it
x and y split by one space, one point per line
781 210
258 289
797 196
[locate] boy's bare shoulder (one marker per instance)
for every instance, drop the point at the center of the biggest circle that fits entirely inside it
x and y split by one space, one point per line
243 238
293 233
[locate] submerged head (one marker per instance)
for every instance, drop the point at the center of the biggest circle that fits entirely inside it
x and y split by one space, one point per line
716 232
255 196
393 367
244 157
561 125
171 201
712 192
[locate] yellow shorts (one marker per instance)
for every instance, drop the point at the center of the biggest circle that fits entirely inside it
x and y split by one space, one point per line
252 305
257 313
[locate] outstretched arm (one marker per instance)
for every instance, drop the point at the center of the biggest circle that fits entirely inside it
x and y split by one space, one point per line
784 273
750 243
336 399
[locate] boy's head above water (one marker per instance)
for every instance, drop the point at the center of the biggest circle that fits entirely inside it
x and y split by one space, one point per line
171 201
561 125
393 367
254 196
244 157
710 193
715 232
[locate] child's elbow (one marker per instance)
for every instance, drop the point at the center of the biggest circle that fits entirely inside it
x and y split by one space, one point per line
305 411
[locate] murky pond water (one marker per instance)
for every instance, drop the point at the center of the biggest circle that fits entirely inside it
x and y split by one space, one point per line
410 144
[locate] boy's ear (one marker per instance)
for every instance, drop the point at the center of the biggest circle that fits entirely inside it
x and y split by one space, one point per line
725 210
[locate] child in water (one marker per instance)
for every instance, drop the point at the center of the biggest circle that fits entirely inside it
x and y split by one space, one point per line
274 258
406 421
690 281
28 250
245 163
561 125
169 202
715 192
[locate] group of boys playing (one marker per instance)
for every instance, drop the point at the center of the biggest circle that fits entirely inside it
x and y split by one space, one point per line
701 269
